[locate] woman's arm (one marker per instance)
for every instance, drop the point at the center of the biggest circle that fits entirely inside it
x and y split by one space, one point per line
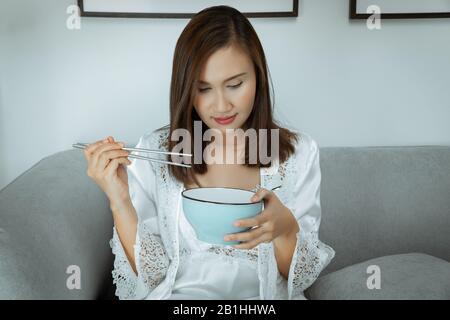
141 261
311 255
125 220
284 246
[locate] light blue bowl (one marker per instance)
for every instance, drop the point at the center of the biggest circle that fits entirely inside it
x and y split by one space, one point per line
213 211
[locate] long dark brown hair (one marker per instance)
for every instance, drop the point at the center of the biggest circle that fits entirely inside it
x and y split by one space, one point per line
209 30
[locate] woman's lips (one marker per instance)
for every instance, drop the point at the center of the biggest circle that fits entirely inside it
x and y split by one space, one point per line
225 120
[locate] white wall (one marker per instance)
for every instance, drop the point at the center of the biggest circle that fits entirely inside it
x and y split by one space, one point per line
333 78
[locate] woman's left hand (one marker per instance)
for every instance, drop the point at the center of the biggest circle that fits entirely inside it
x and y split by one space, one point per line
274 221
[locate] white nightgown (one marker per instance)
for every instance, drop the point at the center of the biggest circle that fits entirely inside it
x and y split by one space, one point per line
172 264
206 273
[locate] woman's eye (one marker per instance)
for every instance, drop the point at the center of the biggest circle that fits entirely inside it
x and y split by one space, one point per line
206 89
237 85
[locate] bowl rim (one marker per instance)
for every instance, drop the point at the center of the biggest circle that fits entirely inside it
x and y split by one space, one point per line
218 202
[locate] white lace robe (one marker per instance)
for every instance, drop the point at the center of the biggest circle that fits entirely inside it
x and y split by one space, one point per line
156 196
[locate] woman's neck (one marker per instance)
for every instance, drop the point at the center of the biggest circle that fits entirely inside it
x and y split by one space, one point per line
230 149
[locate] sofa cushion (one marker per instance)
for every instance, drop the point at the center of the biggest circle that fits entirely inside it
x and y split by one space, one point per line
402 277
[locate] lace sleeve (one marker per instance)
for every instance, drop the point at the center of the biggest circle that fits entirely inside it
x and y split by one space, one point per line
152 261
311 255
123 275
150 256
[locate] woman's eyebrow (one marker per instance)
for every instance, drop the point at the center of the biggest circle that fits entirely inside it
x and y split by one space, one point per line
230 78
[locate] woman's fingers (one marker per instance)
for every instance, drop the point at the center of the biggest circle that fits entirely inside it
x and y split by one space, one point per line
111 169
253 243
262 193
104 158
108 155
257 220
98 157
89 150
101 153
245 236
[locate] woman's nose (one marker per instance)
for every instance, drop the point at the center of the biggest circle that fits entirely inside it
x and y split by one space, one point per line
222 104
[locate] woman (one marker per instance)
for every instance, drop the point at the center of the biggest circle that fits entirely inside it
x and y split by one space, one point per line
219 79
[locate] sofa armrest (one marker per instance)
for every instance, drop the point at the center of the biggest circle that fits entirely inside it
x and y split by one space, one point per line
52 217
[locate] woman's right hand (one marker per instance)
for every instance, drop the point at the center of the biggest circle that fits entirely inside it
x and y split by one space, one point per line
104 167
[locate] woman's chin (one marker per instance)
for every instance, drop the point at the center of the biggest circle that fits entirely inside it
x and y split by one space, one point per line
229 130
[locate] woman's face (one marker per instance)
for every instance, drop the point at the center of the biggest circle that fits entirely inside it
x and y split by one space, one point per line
226 87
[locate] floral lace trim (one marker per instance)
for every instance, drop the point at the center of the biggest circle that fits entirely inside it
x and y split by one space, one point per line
250 254
310 257
123 275
162 138
153 260
152 264
227 253
168 184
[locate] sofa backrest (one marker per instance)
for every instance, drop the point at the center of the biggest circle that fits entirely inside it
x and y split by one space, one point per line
378 201
54 220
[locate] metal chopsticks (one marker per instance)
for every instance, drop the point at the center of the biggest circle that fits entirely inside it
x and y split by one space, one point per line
80 145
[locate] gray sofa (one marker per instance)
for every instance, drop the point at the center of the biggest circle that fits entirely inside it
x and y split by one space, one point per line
387 207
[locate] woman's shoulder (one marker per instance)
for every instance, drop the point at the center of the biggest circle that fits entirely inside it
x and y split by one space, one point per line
304 141
305 147
307 142
156 139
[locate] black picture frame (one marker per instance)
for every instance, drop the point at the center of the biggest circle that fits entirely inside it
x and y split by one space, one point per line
353 14
183 15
